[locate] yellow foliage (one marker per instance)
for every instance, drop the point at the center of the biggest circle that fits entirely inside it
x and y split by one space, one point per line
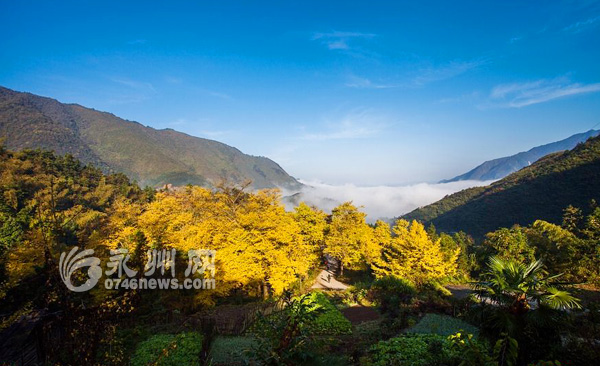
412 255
312 223
349 238
256 240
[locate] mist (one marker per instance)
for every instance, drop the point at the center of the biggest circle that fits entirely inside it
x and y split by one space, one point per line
378 202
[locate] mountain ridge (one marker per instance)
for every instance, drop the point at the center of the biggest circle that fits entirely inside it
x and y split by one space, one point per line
150 156
501 167
539 191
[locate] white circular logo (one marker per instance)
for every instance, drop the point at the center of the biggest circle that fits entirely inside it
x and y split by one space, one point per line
69 264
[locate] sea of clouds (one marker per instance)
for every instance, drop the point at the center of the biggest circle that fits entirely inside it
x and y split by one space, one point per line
383 202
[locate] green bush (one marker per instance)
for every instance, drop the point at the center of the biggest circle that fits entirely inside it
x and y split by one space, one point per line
436 288
230 350
475 353
414 350
368 333
443 325
169 350
331 321
358 293
390 292
328 321
287 337
431 350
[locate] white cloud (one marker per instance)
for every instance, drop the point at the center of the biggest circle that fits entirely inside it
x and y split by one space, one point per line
216 94
340 44
468 97
515 39
201 127
131 91
445 71
379 201
336 40
173 80
364 83
582 25
355 125
516 95
134 84
213 134
179 122
424 75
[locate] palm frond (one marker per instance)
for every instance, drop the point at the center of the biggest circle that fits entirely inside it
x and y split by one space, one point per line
533 268
560 299
496 264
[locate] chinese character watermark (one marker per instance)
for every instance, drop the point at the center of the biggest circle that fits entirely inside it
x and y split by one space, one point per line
199 274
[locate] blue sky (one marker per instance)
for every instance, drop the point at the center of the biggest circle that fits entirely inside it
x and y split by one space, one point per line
370 93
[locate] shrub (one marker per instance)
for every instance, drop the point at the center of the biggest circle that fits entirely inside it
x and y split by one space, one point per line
230 350
414 350
298 333
368 332
331 321
285 337
436 288
443 325
433 297
390 292
358 293
169 350
328 320
475 353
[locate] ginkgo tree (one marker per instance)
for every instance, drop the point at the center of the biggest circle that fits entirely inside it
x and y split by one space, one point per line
349 238
266 245
411 254
259 245
312 223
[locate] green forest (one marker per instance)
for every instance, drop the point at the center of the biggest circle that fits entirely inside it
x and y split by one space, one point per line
539 191
408 294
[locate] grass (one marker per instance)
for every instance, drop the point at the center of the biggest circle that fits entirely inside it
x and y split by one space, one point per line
331 321
443 325
229 350
169 350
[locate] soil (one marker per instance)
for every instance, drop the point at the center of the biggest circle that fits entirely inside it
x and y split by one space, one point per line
460 291
360 314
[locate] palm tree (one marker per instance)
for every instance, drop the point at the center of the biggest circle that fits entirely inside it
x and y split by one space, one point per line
516 290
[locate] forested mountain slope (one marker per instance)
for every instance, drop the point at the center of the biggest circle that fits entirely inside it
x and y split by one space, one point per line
539 191
501 167
152 157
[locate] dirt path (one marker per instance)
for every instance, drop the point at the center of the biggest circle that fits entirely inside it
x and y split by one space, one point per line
356 314
360 314
327 281
460 291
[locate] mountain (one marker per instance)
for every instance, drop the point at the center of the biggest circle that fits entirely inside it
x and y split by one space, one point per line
308 196
500 168
152 157
539 191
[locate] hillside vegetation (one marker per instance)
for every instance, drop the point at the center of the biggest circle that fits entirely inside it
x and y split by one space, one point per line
501 167
539 191
262 305
149 156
